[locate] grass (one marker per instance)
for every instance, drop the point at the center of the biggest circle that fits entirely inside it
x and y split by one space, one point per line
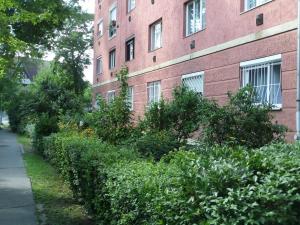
52 195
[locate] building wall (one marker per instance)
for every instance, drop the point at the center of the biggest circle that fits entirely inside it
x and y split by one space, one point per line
230 37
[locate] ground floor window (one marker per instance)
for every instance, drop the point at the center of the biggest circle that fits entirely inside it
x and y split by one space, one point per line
265 76
130 98
111 96
194 82
153 90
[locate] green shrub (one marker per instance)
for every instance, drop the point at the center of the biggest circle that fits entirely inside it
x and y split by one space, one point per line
112 121
84 163
180 116
240 122
156 144
209 186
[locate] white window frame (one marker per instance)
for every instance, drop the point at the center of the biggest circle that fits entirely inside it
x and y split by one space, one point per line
131 5
113 7
202 17
256 4
100 71
112 63
132 42
96 105
110 97
153 39
130 97
100 28
193 75
152 96
267 63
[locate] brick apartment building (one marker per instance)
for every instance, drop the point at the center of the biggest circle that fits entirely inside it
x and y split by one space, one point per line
213 46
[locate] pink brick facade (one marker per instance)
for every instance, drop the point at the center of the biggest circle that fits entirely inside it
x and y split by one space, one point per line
231 36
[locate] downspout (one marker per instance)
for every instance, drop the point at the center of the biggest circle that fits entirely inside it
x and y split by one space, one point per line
297 136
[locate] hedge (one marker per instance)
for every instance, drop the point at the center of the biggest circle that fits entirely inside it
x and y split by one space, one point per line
205 186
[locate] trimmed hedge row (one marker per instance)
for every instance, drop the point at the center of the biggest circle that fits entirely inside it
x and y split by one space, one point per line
204 186
84 163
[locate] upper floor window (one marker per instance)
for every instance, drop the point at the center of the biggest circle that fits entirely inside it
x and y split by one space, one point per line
99 66
111 96
265 77
156 35
195 16
130 5
130 49
100 28
153 90
194 82
112 59
250 4
113 21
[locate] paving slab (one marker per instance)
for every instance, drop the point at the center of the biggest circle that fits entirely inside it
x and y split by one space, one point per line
16 200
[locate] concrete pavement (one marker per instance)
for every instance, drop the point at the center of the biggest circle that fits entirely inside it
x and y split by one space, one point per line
16 199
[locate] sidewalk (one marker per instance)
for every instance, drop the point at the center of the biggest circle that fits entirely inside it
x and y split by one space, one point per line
16 200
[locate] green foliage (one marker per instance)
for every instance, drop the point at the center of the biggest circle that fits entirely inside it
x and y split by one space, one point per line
180 116
156 144
84 164
112 121
240 122
33 23
212 186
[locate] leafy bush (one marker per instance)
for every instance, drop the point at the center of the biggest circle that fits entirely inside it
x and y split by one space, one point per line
212 186
156 144
112 121
84 163
180 116
240 122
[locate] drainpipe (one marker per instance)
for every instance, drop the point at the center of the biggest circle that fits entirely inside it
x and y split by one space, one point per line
297 136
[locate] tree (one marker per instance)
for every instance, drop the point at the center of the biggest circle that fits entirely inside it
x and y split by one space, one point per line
71 56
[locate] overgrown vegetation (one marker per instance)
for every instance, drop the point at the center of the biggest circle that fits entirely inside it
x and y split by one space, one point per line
214 185
53 197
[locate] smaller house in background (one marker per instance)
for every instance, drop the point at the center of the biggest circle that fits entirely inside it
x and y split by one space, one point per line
30 68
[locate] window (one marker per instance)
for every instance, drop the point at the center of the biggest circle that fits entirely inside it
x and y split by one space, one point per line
96 105
195 16
130 49
250 4
111 96
153 90
265 77
156 35
112 59
100 28
194 82
99 66
130 98
113 21
130 5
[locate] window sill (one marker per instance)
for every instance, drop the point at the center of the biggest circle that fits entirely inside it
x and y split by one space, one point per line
277 107
112 37
189 35
130 11
154 50
248 10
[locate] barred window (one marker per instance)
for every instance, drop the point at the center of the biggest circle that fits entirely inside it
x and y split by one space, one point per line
153 90
111 96
194 82
130 98
265 77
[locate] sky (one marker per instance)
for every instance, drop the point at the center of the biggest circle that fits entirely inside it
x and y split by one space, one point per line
88 6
